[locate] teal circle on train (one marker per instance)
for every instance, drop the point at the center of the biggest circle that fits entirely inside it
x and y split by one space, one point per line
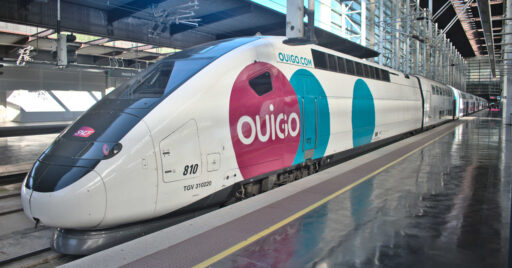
363 114
315 126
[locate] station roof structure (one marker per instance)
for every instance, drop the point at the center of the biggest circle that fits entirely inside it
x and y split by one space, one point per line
140 30
149 28
477 29
468 31
131 33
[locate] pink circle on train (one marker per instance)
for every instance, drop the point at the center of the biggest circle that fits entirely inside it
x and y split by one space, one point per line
265 128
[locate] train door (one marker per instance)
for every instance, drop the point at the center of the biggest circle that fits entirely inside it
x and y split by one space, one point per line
309 106
454 106
428 107
181 154
315 116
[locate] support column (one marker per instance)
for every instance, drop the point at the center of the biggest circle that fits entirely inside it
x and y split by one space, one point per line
396 37
425 47
407 37
416 30
370 21
107 84
507 81
429 56
3 106
363 22
294 19
382 35
343 19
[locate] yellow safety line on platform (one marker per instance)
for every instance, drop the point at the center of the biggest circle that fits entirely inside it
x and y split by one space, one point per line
280 224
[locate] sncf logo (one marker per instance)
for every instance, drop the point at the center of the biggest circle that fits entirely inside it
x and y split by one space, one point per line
269 127
84 132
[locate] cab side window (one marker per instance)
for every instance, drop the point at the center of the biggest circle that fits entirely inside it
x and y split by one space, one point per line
261 84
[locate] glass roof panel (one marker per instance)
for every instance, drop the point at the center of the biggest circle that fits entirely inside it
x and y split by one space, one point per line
19 29
80 38
123 44
163 50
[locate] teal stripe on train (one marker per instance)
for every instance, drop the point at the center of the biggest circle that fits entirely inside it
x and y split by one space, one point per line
363 114
314 114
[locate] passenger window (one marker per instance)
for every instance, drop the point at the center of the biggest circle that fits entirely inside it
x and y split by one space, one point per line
359 69
341 65
319 58
372 72
385 75
350 66
333 66
377 74
261 84
366 70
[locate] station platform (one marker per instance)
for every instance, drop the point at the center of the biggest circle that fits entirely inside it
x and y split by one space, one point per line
437 199
18 154
12 129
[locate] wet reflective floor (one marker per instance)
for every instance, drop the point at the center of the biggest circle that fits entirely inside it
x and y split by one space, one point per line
23 149
446 205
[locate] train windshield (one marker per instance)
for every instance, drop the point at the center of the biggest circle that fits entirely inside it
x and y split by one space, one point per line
165 76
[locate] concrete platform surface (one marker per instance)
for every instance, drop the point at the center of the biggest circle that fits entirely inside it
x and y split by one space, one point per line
13 129
19 153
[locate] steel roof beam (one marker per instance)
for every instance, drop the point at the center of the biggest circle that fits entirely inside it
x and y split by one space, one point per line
492 2
440 11
44 33
129 9
484 8
212 18
276 27
460 8
494 18
494 29
93 21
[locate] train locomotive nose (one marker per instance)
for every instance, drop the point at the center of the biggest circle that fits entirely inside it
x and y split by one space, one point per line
25 198
80 204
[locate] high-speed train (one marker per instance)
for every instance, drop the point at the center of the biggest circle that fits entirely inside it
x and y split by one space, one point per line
224 120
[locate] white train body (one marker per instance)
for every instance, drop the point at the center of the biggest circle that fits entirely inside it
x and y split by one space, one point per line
212 131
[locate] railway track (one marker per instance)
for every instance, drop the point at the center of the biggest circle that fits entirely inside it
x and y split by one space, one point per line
19 258
44 257
10 204
21 245
12 178
18 237
10 174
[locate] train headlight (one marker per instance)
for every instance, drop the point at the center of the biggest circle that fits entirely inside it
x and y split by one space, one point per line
100 150
110 151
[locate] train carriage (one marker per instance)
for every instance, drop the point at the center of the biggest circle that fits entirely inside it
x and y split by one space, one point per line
220 121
